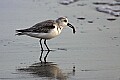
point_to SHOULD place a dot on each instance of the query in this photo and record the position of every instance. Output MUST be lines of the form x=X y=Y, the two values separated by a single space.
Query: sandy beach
x=93 y=53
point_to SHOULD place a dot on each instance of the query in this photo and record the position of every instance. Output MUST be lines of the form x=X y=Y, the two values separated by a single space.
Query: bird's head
x=63 y=21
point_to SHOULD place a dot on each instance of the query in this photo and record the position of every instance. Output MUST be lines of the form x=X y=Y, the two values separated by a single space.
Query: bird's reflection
x=47 y=70
x=41 y=54
x=47 y=52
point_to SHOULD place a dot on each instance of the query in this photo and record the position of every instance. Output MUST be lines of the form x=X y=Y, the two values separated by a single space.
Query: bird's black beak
x=71 y=27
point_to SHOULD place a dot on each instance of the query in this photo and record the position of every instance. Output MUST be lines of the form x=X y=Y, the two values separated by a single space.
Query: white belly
x=53 y=33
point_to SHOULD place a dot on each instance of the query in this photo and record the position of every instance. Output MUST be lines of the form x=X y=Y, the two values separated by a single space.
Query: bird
x=46 y=30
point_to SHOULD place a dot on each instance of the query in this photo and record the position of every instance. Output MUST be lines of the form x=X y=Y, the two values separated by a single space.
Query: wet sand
x=93 y=53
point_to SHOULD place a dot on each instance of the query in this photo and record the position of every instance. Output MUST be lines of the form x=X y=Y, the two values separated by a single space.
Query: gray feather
x=42 y=27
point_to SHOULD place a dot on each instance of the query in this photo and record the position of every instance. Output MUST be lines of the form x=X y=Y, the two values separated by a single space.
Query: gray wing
x=42 y=27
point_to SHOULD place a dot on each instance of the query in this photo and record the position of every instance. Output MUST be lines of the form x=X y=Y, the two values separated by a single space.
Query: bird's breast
x=56 y=31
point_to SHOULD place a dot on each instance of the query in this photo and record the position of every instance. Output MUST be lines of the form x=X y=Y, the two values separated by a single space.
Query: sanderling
x=46 y=30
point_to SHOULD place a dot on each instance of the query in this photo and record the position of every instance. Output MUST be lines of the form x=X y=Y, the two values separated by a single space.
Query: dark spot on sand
x=115 y=37
x=62 y=49
x=4 y=45
x=81 y=18
x=90 y=21
x=107 y=28
x=104 y=26
x=99 y=29
x=81 y=4
x=88 y=70
x=111 y=19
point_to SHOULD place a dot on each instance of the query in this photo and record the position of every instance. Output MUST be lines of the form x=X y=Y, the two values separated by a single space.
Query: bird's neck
x=60 y=27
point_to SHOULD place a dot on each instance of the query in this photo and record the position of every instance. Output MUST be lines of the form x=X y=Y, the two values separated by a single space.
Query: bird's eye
x=65 y=20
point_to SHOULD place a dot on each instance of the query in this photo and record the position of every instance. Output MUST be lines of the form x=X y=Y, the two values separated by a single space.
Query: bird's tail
x=19 y=32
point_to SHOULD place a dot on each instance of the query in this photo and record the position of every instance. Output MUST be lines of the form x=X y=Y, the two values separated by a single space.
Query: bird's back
x=42 y=27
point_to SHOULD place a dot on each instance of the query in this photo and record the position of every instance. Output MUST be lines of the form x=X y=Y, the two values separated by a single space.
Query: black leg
x=46 y=56
x=41 y=44
x=41 y=56
x=46 y=45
